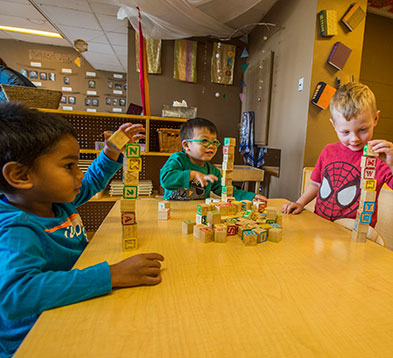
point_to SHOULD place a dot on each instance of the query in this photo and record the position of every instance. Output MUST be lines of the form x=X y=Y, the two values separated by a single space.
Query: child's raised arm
x=309 y=194
x=384 y=150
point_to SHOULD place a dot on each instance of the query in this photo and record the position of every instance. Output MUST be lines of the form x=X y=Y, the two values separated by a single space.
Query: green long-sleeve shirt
x=175 y=179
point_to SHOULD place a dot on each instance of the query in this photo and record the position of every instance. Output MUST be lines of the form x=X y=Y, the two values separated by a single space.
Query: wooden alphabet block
x=369 y=206
x=369 y=162
x=271 y=213
x=164 y=205
x=202 y=209
x=227 y=166
x=131 y=178
x=227 y=174
x=130 y=192
x=164 y=214
x=370 y=184
x=229 y=158
x=129 y=231
x=133 y=151
x=274 y=235
x=360 y=227
x=231 y=230
x=368 y=173
x=128 y=218
x=201 y=219
x=130 y=244
x=228 y=150
x=197 y=229
x=259 y=206
x=359 y=236
x=368 y=151
x=127 y=205
x=250 y=238
x=366 y=217
x=206 y=234
x=118 y=139
x=188 y=226
x=229 y=142
x=366 y=195
x=213 y=217
x=227 y=190
x=134 y=164
x=226 y=181
x=262 y=235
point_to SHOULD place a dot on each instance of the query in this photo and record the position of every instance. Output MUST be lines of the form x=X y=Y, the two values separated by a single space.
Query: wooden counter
x=315 y=294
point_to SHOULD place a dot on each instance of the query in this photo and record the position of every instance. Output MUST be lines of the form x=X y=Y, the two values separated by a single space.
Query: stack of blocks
x=368 y=195
x=228 y=151
x=251 y=221
x=131 y=168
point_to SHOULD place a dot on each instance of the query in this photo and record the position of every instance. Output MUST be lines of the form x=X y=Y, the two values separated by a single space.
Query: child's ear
x=376 y=118
x=185 y=145
x=16 y=175
x=332 y=122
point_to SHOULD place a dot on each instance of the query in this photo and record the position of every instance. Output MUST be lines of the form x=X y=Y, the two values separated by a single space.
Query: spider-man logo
x=339 y=191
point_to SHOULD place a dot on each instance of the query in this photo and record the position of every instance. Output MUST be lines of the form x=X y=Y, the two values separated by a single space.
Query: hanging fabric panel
x=153 y=54
x=223 y=63
x=185 y=60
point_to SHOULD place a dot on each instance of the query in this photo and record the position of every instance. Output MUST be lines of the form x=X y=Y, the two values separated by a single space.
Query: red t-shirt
x=338 y=171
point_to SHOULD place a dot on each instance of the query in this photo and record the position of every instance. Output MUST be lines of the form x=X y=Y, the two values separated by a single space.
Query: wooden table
x=315 y=294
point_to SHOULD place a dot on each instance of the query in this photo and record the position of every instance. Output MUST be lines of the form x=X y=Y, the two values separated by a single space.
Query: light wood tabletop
x=314 y=294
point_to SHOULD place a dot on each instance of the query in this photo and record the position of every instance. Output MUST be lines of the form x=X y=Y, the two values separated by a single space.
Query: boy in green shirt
x=189 y=175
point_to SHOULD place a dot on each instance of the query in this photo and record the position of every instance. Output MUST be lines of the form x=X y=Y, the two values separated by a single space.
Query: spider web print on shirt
x=339 y=192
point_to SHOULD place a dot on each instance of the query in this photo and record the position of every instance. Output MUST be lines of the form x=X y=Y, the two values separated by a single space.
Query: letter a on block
x=133 y=151
x=130 y=192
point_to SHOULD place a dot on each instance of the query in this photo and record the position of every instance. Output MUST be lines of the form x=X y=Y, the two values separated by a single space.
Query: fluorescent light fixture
x=31 y=32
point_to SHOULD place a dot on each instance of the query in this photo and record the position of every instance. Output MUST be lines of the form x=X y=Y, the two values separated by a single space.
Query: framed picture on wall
x=108 y=101
x=110 y=84
x=33 y=75
x=71 y=100
x=23 y=72
x=122 y=102
x=92 y=84
x=87 y=101
x=63 y=99
x=43 y=76
x=117 y=85
x=94 y=102
x=115 y=102
x=52 y=76
x=66 y=80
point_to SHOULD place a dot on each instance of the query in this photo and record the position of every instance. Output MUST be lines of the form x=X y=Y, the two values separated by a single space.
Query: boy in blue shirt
x=189 y=175
x=41 y=233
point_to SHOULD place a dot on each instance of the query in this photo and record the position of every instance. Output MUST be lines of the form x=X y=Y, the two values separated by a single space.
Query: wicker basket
x=169 y=140
x=33 y=97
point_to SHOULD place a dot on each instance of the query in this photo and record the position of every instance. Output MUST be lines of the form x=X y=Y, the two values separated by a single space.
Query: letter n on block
x=134 y=164
x=130 y=192
x=133 y=151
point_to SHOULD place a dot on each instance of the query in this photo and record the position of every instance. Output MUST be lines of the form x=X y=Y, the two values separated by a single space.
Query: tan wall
x=164 y=89
x=293 y=47
x=19 y=55
x=319 y=129
x=377 y=70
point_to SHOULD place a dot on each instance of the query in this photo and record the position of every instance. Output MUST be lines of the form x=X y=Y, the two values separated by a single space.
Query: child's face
x=356 y=132
x=197 y=153
x=55 y=176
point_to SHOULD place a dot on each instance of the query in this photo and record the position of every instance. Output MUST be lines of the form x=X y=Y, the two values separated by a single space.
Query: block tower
x=368 y=195
x=228 y=151
x=132 y=165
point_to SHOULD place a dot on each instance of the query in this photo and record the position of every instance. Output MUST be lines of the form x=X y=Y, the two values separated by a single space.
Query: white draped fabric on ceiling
x=174 y=19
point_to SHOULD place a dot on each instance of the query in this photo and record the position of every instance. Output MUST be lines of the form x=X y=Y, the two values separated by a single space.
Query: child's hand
x=260 y=198
x=142 y=269
x=384 y=150
x=294 y=208
x=201 y=178
x=133 y=133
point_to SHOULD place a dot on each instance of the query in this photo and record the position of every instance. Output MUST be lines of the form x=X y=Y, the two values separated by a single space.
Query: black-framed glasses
x=206 y=142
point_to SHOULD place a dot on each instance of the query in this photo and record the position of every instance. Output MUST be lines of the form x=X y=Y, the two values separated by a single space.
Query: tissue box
x=179 y=112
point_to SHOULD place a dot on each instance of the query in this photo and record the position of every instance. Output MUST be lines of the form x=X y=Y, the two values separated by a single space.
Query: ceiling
x=95 y=21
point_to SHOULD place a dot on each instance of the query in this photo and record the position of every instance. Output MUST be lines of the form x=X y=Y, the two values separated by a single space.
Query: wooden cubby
x=90 y=128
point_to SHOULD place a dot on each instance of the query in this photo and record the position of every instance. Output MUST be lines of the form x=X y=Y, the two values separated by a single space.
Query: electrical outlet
x=300 y=84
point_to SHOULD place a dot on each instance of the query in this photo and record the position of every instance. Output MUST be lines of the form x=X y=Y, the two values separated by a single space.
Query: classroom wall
x=319 y=129
x=377 y=70
x=293 y=47
x=164 y=89
x=19 y=55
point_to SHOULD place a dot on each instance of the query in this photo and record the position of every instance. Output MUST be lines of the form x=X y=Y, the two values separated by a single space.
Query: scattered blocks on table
x=202 y=209
x=118 y=139
x=231 y=229
x=201 y=219
x=250 y=238
x=188 y=226
x=220 y=234
x=227 y=190
x=164 y=214
x=213 y=218
x=205 y=234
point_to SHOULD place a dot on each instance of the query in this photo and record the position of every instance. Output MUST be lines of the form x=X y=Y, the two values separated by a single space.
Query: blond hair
x=351 y=99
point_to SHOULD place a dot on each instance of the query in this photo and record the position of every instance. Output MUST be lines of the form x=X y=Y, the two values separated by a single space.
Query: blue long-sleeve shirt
x=37 y=255
x=175 y=179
